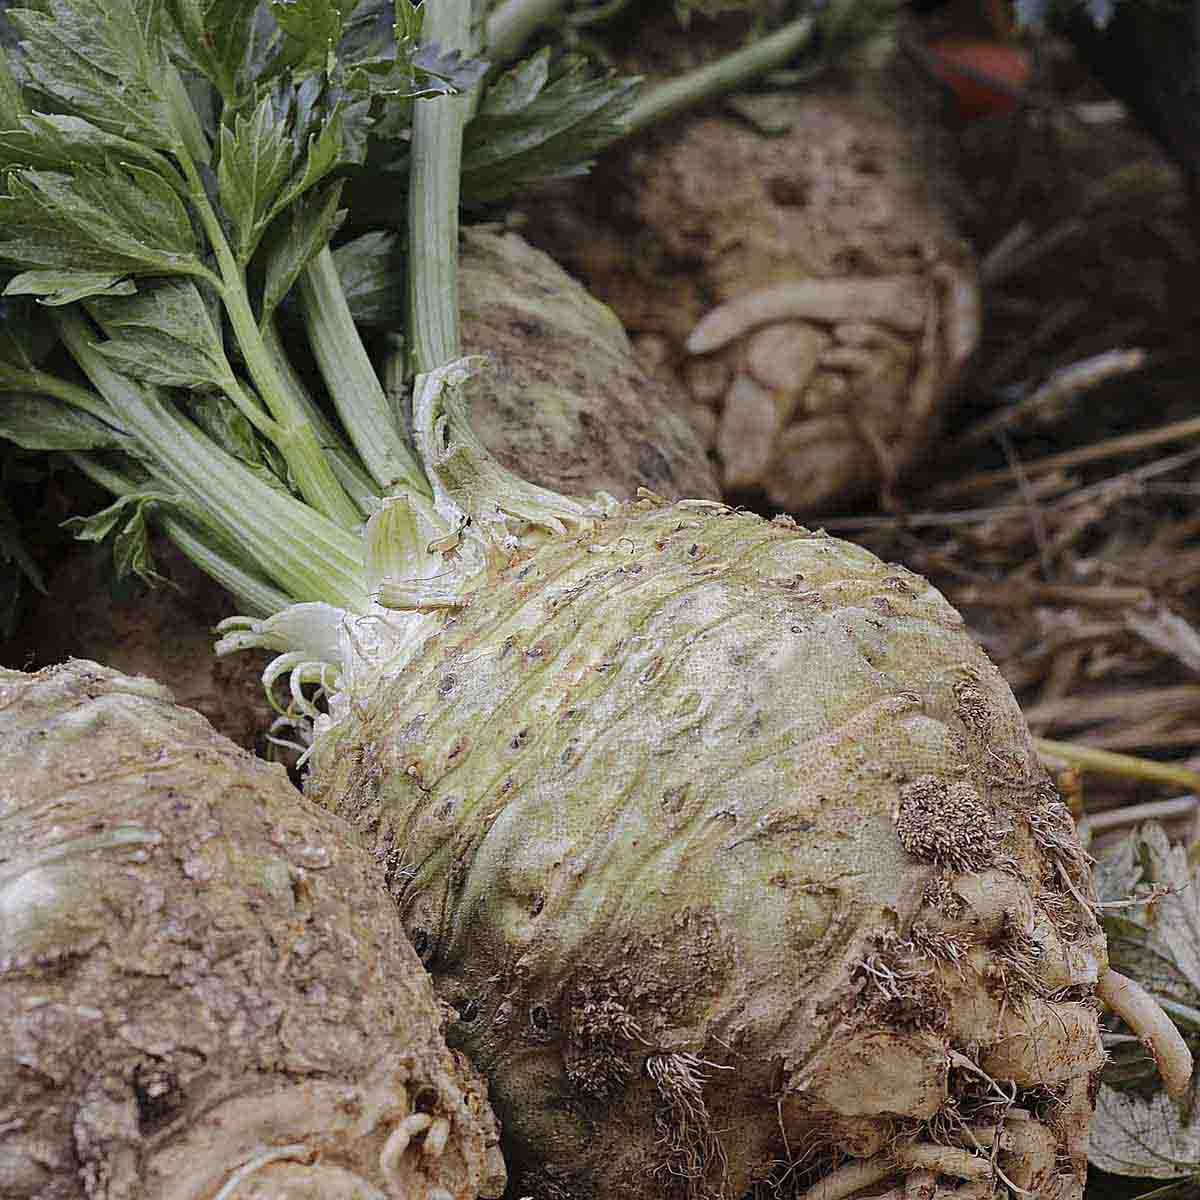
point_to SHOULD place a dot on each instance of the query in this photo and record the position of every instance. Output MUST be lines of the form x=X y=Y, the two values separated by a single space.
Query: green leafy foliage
x=219 y=39
x=295 y=239
x=544 y=119
x=119 y=219
x=26 y=335
x=1138 y=1130
x=125 y=522
x=104 y=60
x=256 y=160
x=164 y=334
x=170 y=169
x=39 y=423
x=371 y=269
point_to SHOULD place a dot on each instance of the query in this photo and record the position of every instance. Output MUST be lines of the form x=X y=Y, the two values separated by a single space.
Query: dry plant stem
x=1098 y=451
x=1139 y=1010
x=1135 y=814
x=1062 y=387
x=1126 y=765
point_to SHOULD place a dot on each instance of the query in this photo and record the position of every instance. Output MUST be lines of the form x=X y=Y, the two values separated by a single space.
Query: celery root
x=699 y=820
x=203 y=989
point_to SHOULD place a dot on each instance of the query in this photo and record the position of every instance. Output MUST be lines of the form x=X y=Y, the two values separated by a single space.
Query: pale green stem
x=353 y=385
x=733 y=71
x=1107 y=762
x=433 y=195
x=305 y=553
x=511 y=25
x=296 y=439
x=360 y=487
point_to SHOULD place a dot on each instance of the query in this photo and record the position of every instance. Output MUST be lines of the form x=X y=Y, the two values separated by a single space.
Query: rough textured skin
x=827 y=184
x=197 y=969
x=566 y=404
x=730 y=846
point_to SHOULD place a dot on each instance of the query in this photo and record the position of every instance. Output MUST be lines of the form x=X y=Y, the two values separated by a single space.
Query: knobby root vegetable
x=568 y=405
x=204 y=991
x=698 y=820
x=796 y=266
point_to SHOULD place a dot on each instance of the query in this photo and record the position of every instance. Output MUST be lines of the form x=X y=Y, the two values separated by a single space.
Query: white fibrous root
x=1142 y=1013
x=397 y=1144
x=436 y=1138
x=944 y=1160
x=851 y=1178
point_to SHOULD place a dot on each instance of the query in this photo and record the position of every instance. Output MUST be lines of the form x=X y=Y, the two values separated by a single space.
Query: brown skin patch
x=197 y=966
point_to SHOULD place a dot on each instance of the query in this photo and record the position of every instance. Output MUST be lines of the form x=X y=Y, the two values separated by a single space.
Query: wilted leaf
x=1133 y=1135
x=125 y=521
x=1157 y=943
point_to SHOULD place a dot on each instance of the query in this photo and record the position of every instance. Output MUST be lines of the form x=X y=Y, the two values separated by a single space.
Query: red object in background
x=985 y=78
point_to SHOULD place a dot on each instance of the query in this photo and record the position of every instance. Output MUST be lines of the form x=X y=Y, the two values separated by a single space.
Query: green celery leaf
x=12 y=103
x=56 y=287
x=221 y=419
x=313 y=29
x=104 y=60
x=256 y=160
x=407 y=19
x=217 y=34
x=132 y=556
x=557 y=132
x=39 y=423
x=125 y=521
x=26 y=335
x=368 y=33
x=297 y=236
x=164 y=334
x=518 y=87
x=59 y=141
x=122 y=219
x=438 y=71
x=371 y=270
